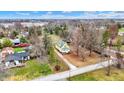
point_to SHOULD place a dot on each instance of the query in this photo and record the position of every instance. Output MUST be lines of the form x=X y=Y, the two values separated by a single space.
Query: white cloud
x=66 y=11
x=84 y=15
x=49 y=13
x=23 y=13
x=35 y=11
x=102 y=15
x=46 y=16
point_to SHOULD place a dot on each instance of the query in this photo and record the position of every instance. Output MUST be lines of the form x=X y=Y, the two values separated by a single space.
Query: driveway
x=71 y=66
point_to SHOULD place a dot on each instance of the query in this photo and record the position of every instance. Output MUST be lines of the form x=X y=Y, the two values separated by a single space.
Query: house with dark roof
x=16 y=58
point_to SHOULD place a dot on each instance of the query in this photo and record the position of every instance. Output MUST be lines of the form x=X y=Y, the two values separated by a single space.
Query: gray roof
x=16 y=56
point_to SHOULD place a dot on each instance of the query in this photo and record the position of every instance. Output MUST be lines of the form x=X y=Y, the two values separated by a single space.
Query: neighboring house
x=24 y=34
x=6 y=51
x=16 y=58
x=62 y=47
x=121 y=31
x=16 y=41
x=22 y=45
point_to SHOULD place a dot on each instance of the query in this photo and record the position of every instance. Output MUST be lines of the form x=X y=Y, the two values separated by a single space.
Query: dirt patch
x=75 y=60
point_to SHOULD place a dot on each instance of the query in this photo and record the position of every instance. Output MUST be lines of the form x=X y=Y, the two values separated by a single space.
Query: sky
x=61 y=14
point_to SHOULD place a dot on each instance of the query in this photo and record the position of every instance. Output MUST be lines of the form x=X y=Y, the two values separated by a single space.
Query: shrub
x=23 y=40
x=7 y=43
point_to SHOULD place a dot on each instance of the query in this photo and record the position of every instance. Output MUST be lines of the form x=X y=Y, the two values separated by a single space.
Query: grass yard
x=63 y=66
x=100 y=75
x=121 y=29
x=32 y=70
x=18 y=49
x=122 y=48
x=54 y=38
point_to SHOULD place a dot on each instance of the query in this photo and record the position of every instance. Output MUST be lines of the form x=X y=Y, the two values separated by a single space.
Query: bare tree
x=92 y=37
x=76 y=41
x=38 y=49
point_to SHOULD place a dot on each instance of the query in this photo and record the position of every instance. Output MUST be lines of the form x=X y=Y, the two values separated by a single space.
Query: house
x=62 y=47
x=22 y=45
x=121 y=31
x=16 y=58
x=6 y=51
x=16 y=41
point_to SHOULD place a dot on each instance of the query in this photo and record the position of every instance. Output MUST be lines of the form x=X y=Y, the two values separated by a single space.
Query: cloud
x=84 y=15
x=35 y=12
x=66 y=11
x=49 y=13
x=102 y=15
x=46 y=16
x=23 y=13
x=71 y=15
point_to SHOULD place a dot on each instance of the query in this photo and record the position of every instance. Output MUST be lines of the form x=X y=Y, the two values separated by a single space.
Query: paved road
x=70 y=73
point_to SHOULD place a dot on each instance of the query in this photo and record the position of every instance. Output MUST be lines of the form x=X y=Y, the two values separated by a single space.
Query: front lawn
x=33 y=69
x=115 y=48
x=100 y=75
x=54 y=38
x=121 y=29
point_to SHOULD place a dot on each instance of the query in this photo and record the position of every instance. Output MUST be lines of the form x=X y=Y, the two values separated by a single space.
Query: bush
x=57 y=67
x=7 y=43
x=23 y=40
x=1 y=46
x=52 y=56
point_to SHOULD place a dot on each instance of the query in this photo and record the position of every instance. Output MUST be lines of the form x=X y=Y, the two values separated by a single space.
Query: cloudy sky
x=60 y=14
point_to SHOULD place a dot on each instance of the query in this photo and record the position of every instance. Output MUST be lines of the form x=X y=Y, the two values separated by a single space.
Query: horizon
x=61 y=15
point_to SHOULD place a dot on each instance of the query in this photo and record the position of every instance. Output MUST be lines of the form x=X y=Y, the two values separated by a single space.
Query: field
x=100 y=75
